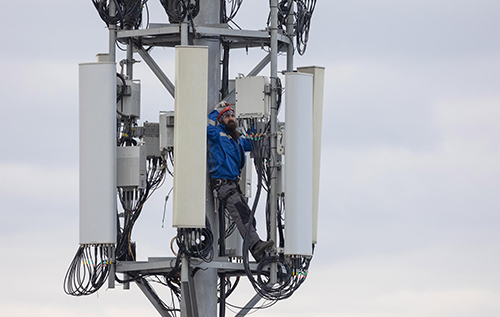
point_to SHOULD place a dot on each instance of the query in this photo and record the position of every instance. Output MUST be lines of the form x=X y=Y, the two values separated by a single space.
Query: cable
x=165 y=207
x=302 y=20
x=196 y=243
x=228 y=16
x=283 y=12
x=133 y=200
x=292 y=270
x=177 y=10
x=303 y=15
x=170 y=156
x=88 y=271
x=127 y=15
x=120 y=89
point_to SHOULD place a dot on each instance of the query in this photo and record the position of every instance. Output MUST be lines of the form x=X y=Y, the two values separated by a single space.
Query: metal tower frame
x=200 y=294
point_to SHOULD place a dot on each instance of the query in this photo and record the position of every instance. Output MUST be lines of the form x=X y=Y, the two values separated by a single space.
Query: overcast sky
x=410 y=180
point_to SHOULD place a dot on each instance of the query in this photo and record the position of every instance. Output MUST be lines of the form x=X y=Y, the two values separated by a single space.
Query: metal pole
x=112 y=58
x=225 y=72
x=130 y=59
x=189 y=307
x=128 y=206
x=112 y=33
x=184 y=31
x=206 y=281
x=222 y=253
x=273 y=205
x=289 y=31
x=111 y=255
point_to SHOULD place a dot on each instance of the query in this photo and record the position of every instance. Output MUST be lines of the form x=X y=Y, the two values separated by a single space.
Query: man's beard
x=231 y=128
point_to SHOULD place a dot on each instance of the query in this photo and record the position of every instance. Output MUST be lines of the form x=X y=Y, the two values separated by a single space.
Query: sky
x=410 y=175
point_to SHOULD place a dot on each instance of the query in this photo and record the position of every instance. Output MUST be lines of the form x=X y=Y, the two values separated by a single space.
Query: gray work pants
x=233 y=200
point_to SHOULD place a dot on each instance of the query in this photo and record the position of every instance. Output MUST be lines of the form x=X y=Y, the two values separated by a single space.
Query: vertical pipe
x=289 y=31
x=206 y=281
x=112 y=58
x=112 y=33
x=126 y=219
x=289 y=68
x=225 y=71
x=186 y=305
x=130 y=59
x=184 y=30
x=130 y=75
x=222 y=295
x=111 y=257
x=222 y=253
x=273 y=205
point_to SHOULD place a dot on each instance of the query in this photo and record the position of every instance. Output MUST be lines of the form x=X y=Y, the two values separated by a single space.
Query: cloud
x=411 y=283
x=44 y=184
x=385 y=199
x=472 y=125
x=420 y=30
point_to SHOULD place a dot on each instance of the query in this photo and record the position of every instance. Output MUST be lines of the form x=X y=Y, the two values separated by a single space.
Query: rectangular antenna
x=97 y=103
x=298 y=163
x=318 y=88
x=190 y=136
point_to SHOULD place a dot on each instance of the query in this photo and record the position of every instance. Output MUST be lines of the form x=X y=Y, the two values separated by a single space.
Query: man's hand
x=220 y=106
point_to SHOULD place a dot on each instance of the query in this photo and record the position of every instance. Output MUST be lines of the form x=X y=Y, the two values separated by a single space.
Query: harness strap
x=230 y=193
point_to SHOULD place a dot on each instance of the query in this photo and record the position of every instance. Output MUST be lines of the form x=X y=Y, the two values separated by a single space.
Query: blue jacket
x=226 y=157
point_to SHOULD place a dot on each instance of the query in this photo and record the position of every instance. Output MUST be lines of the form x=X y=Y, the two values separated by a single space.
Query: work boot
x=259 y=248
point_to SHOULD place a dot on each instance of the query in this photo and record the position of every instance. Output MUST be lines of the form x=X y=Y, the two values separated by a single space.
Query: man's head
x=227 y=118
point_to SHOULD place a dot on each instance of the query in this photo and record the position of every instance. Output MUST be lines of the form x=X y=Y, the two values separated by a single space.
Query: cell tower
x=122 y=163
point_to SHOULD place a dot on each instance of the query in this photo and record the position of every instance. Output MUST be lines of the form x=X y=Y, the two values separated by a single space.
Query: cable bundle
x=291 y=271
x=196 y=243
x=283 y=12
x=178 y=9
x=127 y=15
x=88 y=270
x=303 y=15
x=171 y=309
x=235 y=7
x=132 y=202
x=169 y=157
x=225 y=288
x=302 y=20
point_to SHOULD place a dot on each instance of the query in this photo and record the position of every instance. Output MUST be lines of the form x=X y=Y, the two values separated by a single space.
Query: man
x=226 y=158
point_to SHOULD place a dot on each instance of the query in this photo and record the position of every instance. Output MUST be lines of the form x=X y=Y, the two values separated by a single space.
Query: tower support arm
x=153 y=297
x=157 y=71
x=248 y=307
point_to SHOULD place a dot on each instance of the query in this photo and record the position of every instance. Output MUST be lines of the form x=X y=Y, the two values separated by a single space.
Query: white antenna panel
x=190 y=136
x=318 y=88
x=97 y=103
x=298 y=163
